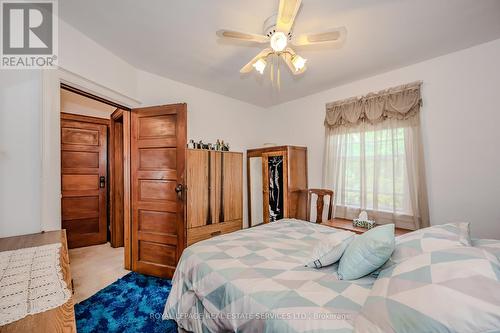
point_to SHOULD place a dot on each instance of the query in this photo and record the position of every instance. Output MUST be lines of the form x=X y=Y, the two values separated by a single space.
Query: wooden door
x=83 y=180
x=158 y=140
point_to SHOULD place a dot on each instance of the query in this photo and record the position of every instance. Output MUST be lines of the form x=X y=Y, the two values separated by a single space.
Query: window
x=373 y=169
x=374 y=157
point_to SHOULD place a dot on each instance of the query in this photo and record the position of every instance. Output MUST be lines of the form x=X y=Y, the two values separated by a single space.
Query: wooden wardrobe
x=277 y=178
x=214 y=193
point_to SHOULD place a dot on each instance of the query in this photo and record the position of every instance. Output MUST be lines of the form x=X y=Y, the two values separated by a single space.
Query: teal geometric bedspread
x=255 y=280
x=490 y=245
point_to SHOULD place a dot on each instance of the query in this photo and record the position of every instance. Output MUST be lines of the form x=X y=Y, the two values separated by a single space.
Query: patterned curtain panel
x=374 y=157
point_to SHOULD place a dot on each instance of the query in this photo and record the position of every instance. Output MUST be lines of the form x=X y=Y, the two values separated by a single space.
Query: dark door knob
x=178 y=189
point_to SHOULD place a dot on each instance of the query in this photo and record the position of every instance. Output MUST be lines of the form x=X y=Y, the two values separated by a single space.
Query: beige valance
x=401 y=103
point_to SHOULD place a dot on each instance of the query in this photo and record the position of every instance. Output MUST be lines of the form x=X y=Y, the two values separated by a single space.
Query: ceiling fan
x=278 y=33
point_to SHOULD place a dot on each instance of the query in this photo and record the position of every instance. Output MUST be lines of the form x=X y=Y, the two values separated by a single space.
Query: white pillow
x=330 y=249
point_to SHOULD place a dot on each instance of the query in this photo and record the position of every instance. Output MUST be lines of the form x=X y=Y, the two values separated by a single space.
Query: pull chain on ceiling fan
x=279 y=36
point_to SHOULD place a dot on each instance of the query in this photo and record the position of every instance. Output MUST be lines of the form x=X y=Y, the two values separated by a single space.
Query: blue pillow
x=367 y=252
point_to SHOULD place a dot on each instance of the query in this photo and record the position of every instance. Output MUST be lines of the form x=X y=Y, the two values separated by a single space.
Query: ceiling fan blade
x=287 y=57
x=286 y=15
x=334 y=35
x=248 y=67
x=243 y=36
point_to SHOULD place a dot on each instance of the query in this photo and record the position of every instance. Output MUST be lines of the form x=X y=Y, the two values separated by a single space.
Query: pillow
x=438 y=237
x=367 y=252
x=451 y=290
x=330 y=249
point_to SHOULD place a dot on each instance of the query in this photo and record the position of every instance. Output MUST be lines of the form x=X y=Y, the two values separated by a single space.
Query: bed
x=255 y=280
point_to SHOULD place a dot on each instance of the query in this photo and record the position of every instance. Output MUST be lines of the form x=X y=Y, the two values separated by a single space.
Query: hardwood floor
x=95 y=267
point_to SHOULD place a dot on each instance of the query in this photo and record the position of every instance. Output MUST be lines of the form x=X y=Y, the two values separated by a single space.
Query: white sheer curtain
x=376 y=166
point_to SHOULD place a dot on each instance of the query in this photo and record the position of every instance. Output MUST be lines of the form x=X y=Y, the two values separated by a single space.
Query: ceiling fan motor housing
x=269 y=26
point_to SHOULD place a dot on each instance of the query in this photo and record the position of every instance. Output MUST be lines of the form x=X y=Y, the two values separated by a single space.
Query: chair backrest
x=320 y=203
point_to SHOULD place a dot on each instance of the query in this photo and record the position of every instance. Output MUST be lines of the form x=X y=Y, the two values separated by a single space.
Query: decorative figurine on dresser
x=218 y=146
x=276 y=179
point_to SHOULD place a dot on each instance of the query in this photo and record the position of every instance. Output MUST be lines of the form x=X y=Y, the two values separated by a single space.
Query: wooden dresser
x=214 y=193
x=60 y=319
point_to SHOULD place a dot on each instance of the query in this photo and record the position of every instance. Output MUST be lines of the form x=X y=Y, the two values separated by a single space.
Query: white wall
x=460 y=121
x=20 y=156
x=209 y=117
x=24 y=208
x=81 y=55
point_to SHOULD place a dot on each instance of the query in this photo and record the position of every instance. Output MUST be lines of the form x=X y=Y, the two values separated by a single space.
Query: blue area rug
x=134 y=303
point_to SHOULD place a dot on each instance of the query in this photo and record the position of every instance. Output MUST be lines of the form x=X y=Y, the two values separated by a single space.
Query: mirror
x=256 y=199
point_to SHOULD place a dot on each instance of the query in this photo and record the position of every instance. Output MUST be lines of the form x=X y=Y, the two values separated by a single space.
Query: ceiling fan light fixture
x=260 y=65
x=279 y=41
x=298 y=62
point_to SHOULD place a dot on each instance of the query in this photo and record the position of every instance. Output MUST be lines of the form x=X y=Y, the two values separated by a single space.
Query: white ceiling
x=176 y=38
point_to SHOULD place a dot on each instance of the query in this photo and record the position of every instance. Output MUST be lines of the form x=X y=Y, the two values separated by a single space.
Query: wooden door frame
x=259 y=152
x=84 y=93
x=50 y=138
x=85 y=119
x=121 y=112
x=124 y=116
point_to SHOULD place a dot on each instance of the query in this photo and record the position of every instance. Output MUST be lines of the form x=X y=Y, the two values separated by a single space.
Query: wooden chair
x=320 y=203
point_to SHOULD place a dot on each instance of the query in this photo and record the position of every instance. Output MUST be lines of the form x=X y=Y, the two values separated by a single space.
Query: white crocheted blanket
x=31 y=281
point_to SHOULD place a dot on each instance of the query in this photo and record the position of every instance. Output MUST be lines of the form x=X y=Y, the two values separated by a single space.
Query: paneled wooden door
x=83 y=180
x=158 y=136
